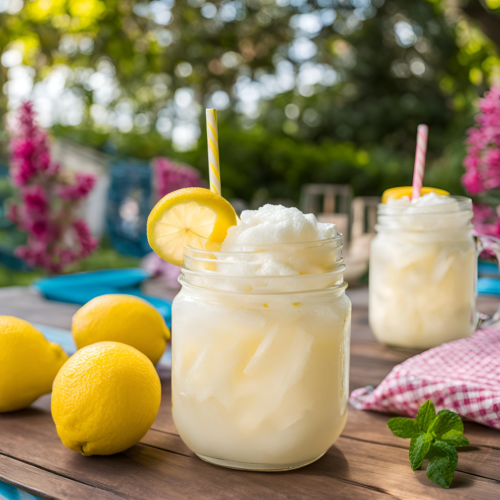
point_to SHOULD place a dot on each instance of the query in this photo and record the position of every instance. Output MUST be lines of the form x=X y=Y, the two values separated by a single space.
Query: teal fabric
x=8 y=492
x=484 y=267
x=488 y=286
x=82 y=287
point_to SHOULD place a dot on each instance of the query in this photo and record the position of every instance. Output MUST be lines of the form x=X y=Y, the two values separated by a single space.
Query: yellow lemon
x=121 y=318
x=28 y=364
x=399 y=192
x=105 y=398
x=190 y=216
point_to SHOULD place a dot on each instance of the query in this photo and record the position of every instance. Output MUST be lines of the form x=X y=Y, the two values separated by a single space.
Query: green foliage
x=434 y=437
x=446 y=421
x=404 y=427
x=389 y=65
x=426 y=415
x=419 y=447
x=443 y=460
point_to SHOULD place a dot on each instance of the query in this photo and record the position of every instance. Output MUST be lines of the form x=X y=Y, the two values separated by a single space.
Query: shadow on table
x=332 y=464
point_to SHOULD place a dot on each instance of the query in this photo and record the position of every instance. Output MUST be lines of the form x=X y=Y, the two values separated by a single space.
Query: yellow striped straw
x=213 y=151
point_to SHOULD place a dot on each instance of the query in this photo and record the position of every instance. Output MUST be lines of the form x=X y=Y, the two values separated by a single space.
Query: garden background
x=324 y=91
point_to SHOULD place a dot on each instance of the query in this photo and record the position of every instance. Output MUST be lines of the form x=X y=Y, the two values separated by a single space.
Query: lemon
x=121 y=318
x=190 y=216
x=28 y=363
x=105 y=398
x=399 y=192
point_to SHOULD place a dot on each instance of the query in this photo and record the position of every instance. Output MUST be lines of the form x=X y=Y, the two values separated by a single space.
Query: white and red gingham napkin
x=463 y=376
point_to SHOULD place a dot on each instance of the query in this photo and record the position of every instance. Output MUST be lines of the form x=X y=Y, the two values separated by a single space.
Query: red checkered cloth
x=463 y=376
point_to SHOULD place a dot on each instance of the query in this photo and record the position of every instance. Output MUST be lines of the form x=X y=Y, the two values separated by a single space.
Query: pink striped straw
x=418 y=171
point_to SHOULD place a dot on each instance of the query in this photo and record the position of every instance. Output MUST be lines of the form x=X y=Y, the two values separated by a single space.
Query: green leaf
x=404 y=427
x=419 y=447
x=445 y=422
x=443 y=459
x=426 y=415
x=454 y=438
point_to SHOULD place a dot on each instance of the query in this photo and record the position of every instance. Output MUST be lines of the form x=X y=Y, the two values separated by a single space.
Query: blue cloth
x=9 y=492
x=484 y=267
x=82 y=287
x=488 y=286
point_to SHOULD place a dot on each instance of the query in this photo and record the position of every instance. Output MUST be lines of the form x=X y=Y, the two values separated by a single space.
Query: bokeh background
x=324 y=91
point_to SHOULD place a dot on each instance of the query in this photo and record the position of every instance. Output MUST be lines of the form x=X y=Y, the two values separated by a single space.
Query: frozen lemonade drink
x=261 y=331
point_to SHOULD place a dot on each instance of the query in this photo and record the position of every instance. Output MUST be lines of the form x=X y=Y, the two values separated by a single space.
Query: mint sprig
x=434 y=437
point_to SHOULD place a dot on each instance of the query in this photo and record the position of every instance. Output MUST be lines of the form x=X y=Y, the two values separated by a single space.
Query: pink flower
x=84 y=183
x=85 y=240
x=30 y=150
x=482 y=213
x=13 y=215
x=40 y=229
x=493 y=158
x=48 y=206
x=472 y=181
x=170 y=177
x=35 y=199
x=161 y=269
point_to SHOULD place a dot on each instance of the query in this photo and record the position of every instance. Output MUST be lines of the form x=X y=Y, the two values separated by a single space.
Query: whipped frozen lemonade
x=423 y=271
x=260 y=352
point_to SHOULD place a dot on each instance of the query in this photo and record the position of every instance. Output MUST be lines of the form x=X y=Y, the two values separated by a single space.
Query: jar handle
x=491 y=245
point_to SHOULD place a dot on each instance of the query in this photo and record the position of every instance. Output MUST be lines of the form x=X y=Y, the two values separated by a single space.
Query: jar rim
x=464 y=205
x=336 y=240
x=332 y=289
x=219 y=276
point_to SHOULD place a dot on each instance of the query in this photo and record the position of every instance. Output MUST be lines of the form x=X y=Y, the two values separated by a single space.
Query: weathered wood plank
x=44 y=484
x=149 y=471
x=386 y=469
x=366 y=462
x=478 y=459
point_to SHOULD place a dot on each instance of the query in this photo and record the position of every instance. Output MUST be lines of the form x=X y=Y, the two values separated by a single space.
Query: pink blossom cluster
x=482 y=162
x=48 y=202
x=168 y=177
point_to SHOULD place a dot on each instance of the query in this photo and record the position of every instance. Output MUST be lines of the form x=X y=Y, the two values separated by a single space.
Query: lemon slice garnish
x=399 y=192
x=190 y=216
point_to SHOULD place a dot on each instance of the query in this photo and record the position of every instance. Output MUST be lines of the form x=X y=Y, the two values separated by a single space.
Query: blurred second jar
x=423 y=271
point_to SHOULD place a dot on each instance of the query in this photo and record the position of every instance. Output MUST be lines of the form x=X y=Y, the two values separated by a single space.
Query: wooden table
x=366 y=462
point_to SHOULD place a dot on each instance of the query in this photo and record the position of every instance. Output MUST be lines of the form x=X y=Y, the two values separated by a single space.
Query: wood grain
x=366 y=462
x=44 y=484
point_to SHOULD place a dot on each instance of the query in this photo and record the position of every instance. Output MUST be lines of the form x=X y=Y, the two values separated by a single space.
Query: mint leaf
x=443 y=459
x=404 y=427
x=419 y=447
x=426 y=415
x=434 y=437
x=454 y=438
x=446 y=421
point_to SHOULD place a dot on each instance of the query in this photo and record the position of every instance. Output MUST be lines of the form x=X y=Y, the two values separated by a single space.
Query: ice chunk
x=277 y=365
x=212 y=372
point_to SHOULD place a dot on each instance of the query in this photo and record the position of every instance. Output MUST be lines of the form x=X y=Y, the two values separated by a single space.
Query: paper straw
x=213 y=151
x=418 y=171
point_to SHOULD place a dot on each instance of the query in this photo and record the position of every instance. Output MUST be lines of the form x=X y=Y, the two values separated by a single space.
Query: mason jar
x=260 y=363
x=423 y=274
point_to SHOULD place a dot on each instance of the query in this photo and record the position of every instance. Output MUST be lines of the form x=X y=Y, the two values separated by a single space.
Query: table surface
x=366 y=462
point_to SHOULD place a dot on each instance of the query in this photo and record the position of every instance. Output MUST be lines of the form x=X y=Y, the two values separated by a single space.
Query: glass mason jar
x=423 y=274
x=260 y=363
